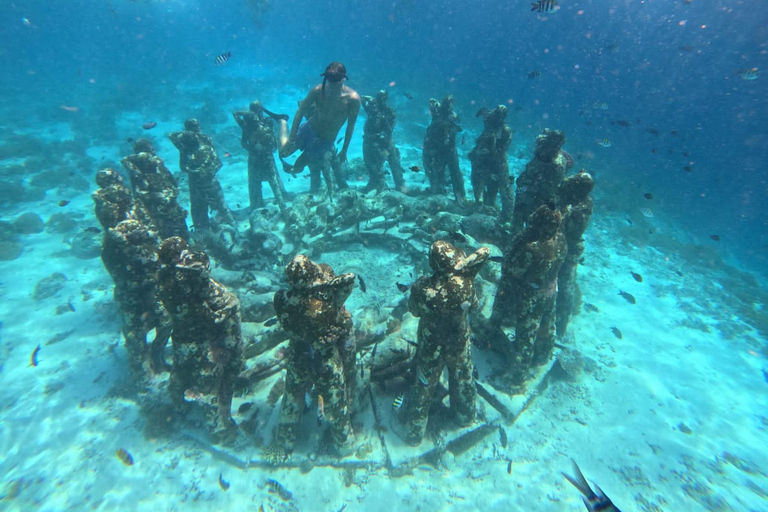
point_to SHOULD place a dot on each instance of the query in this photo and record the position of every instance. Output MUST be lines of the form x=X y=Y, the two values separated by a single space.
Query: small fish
x=320 y=409
x=673 y=133
x=92 y=229
x=26 y=22
x=653 y=131
x=482 y=112
x=125 y=457
x=129 y=140
x=149 y=125
x=509 y=468
x=275 y=487
x=591 y=308
x=397 y=403
x=223 y=483
x=69 y=108
x=496 y=259
x=33 y=359
x=403 y=287
x=227 y=154
x=63 y=202
x=606 y=143
x=716 y=238
x=534 y=74
x=422 y=378
x=648 y=196
x=70 y=305
x=544 y=5
x=363 y=288
x=414 y=168
x=272 y=321
x=616 y=332
x=600 y=105
x=646 y=212
x=748 y=74
x=595 y=502
x=628 y=297
x=502 y=437
x=222 y=59
x=687 y=168
x=621 y=122
x=339 y=140
x=637 y=277
x=408 y=95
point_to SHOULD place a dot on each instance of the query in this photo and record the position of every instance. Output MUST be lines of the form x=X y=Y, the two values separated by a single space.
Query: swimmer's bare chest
x=329 y=117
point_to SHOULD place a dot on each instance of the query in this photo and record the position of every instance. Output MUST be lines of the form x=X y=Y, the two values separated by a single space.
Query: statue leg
x=254 y=185
x=462 y=386
x=396 y=167
x=429 y=364
x=456 y=178
x=293 y=404
x=330 y=383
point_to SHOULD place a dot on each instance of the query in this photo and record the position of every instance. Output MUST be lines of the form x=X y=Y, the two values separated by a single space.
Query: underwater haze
x=663 y=102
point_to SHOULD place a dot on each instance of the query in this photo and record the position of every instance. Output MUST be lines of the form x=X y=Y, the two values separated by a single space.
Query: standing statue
x=198 y=158
x=440 y=150
x=442 y=301
x=378 y=146
x=490 y=168
x=260 y=142
x=321 y=353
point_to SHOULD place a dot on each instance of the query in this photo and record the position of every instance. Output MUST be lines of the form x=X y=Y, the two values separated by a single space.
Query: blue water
x=668 y=66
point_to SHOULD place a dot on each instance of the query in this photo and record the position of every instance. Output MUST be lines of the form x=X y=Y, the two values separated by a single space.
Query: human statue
x=378 y=145
x=440 y=152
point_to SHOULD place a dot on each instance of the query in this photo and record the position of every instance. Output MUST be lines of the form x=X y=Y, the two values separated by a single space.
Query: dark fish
x=70 y=305
x=403 y=287
x=272 y=321
x=648 y=195
x=223 y=483
x=340 y=139
x=275 y=487
x=125 y=457
x=687 y=168
x=653 y=131
x=408 y=95
x=414 y=168
x=509 y=468
x=582 y=260
x=543 y=5
x=685 y=153
x=716 y=238
x=482 y=112
x=654 y=151
x=616 y=332
x=628 y=297
x=673 y=133
x=534 y=74
x=591 y=308
x=363 y=288
x=222 y=59
x=422 y=378
x=149 y=125
x=687 y=48
x=502 y=437
x=621 y=122
x=63 y=202
x=33 y=359
x=129 y=140
x=595 y=502
x=496 y=259
x=637 y=277
x=92 y=229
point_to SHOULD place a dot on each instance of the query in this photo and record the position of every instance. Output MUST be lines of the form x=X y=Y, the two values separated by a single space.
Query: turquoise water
x=670 y=417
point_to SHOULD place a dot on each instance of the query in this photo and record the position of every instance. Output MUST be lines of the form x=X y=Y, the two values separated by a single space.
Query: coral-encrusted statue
x=490 y=168
x=440 y=149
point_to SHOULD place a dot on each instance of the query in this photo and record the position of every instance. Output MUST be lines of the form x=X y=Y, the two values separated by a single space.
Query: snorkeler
x=333 y=104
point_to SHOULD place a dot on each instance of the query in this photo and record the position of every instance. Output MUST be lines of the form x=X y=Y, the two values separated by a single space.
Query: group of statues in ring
x=163 y=282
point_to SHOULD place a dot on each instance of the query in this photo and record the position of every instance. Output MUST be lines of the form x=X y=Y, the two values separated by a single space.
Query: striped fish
x=748 y=74
x=222 y=59
x=544 y=5
x=595 y=501
x=606 y=143
x=397 y=403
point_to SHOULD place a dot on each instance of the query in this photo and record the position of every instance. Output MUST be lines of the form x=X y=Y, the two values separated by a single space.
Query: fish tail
x=578 y=481
x=534 y=6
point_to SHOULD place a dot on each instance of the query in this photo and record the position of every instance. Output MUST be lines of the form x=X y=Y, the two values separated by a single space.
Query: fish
x=653 y=131
x=363 y=288
x=502 y=437
x=338 y=141
x=606 y=143
x=342 y=508
x=408 y=95
x=92 y=229
x=414 y=168
x=272 y=321
x=149 y=125
x=69 y=108
x=748 y=74
x=616 y=332
x=716 y=238
x=496 y=259
x=223 y=483
x=687 y=48
x=591 y=308
x=482 y=112
x=125 y=457
x=70 y=306
x=646 y=212
x=687 y=168
x=63 y=202
x=544 y=5
x=422 y=378
x=637 y=277
x=320 y=409
x=227 y=154
x=673 y=133
x=648 y=196
x=397 y=403
x=275 y=487
x=403 y=287
x=595 y=502
x=509 y=468
x=222 y=59
x=628 y=297
x=33 y=358
x=534 y=74
x=600 y=105
x=621 y=122
x=129 y=140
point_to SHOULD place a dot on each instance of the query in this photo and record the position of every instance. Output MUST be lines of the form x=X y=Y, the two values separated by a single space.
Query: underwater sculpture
x=526 y=293
x=207 y=341
x=490 y=168
x=260 y=142
x=442 y=301
x=576 y=207
x=378 y=146
x=321 y=352
x=129 y=254
x=153 y=184
x=440 y=149
x=198 y=159
x=538 y=183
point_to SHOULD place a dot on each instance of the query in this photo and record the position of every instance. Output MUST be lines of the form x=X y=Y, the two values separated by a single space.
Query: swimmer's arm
x=354 y=110
x=312 y=96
